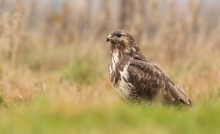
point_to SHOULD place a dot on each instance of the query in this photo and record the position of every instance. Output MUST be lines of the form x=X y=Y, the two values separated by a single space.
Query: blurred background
x=54 y=59
x=174 y=28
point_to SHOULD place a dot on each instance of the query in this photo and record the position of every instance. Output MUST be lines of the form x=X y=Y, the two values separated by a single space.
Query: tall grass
x=54 y=64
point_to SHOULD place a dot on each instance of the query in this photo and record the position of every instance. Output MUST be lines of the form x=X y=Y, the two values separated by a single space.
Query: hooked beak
x=109 y=38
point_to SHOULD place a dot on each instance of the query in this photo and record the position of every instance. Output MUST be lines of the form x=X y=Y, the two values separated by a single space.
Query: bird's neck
x=121 y=51
x=116 y=55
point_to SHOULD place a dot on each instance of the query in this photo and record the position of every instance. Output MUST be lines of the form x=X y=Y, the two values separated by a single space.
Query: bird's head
x=122 y=41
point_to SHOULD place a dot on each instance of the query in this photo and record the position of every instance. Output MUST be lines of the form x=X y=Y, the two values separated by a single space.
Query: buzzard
x=137 y=79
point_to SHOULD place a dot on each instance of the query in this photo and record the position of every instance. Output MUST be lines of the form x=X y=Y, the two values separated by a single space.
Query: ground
x=74 y=95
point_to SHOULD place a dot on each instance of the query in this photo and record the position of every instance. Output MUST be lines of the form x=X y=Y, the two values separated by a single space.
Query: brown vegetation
x=63 y=54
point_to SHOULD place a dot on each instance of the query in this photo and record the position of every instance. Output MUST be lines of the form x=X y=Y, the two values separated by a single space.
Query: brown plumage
x=135 y=78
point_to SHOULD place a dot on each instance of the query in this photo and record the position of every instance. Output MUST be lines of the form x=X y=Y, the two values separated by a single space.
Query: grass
x=54 y=72
x=3 y=102
x=46 y=101
x=41 y=117
x=82 y=72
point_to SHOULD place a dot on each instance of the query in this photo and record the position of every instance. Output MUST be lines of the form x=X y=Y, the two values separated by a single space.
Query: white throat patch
x=114 y=61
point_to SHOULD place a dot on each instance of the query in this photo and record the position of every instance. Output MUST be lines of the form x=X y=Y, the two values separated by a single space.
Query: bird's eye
x=118 y=35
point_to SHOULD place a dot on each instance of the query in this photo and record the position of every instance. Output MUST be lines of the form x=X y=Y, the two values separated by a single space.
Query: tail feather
x=190 y=103
x=184 y=96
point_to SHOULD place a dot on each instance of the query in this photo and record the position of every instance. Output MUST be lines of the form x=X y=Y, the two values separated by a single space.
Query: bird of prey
x=137 y=79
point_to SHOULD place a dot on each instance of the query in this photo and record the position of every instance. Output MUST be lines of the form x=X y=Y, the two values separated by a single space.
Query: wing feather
x=149 y=79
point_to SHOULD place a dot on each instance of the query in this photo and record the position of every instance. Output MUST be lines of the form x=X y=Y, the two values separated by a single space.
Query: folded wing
x=150 y=81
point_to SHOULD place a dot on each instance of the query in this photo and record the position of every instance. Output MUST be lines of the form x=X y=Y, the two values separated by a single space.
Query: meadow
x=54 y=66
